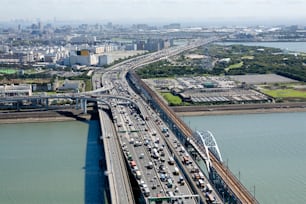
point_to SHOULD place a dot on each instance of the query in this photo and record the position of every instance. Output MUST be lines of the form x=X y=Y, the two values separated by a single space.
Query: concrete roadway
x=150 y=176
x=120 y=188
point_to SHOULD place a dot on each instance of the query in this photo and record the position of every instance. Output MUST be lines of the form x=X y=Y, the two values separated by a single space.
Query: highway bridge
x=223 y=179
x=227 y=189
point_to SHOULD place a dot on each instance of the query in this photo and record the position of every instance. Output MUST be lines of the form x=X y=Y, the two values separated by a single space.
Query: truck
x=201 y=183
x=185 y=160
x=133 y=163
x=208 y=188
x=196 y=176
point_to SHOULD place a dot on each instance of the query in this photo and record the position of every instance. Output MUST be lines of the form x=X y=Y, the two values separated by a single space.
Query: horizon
x=160 y=22
x=196 y=12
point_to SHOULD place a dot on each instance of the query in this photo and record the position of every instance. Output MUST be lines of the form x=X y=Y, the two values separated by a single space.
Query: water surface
x=266 y=150
x=287 y=46
x=50 y=163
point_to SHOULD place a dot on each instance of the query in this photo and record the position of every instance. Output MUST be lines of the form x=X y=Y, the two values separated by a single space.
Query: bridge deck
x=231 y=181
x=120 y=188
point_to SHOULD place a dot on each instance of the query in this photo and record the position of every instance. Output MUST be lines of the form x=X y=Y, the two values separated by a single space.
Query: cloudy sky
x=162 y=10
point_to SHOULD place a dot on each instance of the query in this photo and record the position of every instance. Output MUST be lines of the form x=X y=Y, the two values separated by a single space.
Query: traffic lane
x=116 y=167
x=151 y=174
x=147 y=174
x=182 y=189
x=170 y=169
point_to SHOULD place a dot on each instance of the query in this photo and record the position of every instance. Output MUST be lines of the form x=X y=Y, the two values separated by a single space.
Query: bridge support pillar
x=227 y=195
x=18 y=105
x=77 y=104
x=84 y=105
x=47 y=104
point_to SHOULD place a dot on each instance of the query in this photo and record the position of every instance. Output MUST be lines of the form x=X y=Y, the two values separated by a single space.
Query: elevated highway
x=117 y=173
x=220 y=174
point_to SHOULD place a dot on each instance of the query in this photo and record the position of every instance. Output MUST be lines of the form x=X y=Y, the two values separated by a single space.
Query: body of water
x=266 y=150
x=289 y=46
x=50 y=163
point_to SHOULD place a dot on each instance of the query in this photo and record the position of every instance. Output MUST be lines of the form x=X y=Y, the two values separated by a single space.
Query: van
x=170 y=193
x=162 y=159
x=169 y=183
x=146 y=192
x=141 y=156
x=181 y=180
x=150 y=165
x=163 y=177
x=176 y=171
x=138 y=175
x=171 y=161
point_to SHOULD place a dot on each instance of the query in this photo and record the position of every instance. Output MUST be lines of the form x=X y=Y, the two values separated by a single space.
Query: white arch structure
x=207 y=139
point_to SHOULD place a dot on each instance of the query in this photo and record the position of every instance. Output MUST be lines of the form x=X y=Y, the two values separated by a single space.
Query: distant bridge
x=80 y=100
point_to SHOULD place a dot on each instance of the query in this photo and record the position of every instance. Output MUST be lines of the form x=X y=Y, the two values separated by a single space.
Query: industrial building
x=16 y=90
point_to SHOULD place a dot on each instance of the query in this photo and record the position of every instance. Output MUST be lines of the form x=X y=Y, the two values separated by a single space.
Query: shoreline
x=239 y=109
x=77 y=115
x=44 y=116
x=240 y=112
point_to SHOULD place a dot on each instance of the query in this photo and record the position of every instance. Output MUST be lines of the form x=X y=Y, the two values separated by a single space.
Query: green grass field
x=7 y=71
x=248 y=57
x=285 y=93
x=171 y=99
x=234 y=66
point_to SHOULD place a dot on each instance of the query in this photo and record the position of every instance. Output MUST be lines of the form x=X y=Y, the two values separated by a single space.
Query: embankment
x=45 y=116
x=239 y=109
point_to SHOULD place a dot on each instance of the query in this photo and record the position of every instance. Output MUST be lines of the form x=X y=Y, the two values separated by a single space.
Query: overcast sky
x=162 y=10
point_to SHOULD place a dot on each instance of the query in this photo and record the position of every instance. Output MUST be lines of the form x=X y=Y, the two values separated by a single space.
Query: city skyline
x=133 y=11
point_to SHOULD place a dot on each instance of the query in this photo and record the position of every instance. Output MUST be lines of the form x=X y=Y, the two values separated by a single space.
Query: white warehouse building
x=16 y=90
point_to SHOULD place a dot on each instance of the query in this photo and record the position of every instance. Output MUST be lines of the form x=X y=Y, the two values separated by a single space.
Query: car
x=150 y=165
x=141 y=183
x=141 y=156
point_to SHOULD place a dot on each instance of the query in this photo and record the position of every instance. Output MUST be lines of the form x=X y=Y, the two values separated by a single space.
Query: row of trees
x=256 y=60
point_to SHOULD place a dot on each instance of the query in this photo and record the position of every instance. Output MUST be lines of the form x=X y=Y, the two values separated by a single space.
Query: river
x=286 y=46
x=50 y=163
x=267 y=151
